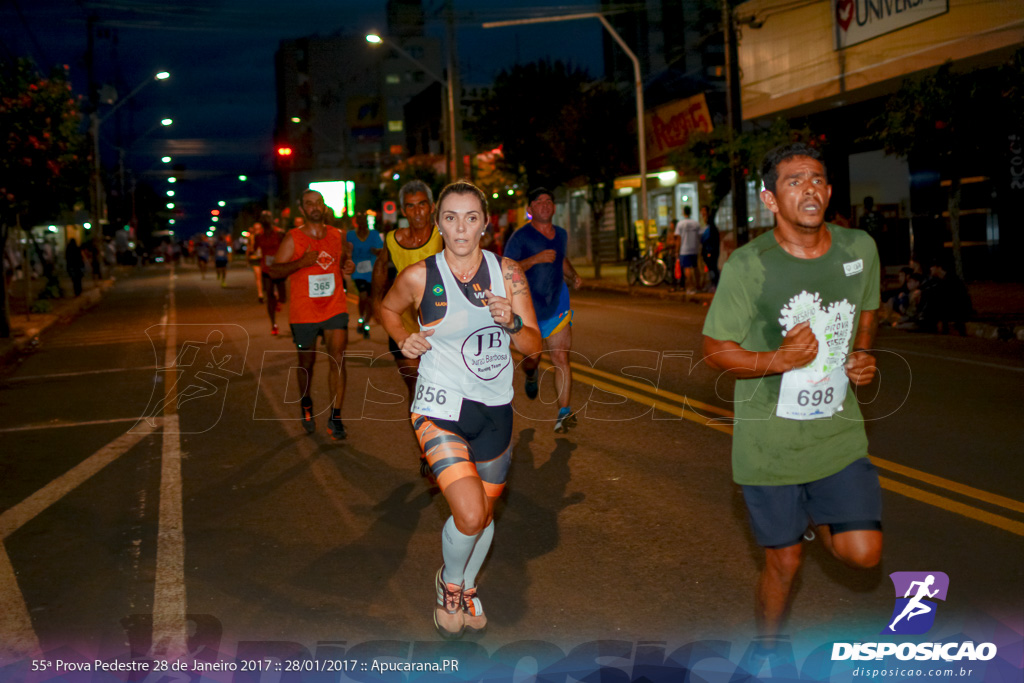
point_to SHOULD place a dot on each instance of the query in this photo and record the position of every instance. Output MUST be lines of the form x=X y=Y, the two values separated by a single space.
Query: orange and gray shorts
x=478 y=444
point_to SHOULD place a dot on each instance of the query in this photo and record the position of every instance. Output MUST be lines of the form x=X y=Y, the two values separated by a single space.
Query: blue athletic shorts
x=849 y=500
x=687 y=260
x=550 y=325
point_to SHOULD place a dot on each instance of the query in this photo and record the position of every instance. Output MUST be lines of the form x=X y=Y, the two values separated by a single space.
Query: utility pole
x=454 y=96
x=94 y=131
x=734 y=114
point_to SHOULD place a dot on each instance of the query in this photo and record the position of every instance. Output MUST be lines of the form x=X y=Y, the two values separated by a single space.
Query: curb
x=11 y=348
x=658 y=292
x=981 y=330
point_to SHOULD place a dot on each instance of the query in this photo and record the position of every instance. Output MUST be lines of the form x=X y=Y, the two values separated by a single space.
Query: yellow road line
x=678 y=405
x=648 y=387
x=664 y=406
x=962 y=489
x=953 y=506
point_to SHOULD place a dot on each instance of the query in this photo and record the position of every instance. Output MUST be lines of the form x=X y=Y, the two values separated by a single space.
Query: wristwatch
x=517 y=324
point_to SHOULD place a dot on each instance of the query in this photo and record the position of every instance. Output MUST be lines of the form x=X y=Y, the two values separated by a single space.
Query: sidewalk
x=998 y=306
x=26 y=326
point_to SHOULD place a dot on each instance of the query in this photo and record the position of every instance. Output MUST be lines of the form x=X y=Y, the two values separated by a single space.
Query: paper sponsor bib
x=803 y=397
x=268 y=260
x=434 y=401
x=221 y=253
x=818 y=389
x=364 y=266
x=321 y=285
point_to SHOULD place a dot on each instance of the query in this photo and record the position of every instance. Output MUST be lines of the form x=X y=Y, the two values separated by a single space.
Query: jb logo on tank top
x=484 y=353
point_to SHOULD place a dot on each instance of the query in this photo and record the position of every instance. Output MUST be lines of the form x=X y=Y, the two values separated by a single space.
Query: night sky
x=221 y=58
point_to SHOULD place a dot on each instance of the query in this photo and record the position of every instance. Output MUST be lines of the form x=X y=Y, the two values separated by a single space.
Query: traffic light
x=284 y=151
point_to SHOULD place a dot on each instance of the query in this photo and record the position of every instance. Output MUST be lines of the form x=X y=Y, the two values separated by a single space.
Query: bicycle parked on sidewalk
x=648 y=269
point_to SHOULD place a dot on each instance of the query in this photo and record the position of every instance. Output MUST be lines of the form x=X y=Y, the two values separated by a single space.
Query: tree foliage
x=43 y=162
x=556 y=127
x=426 y=167
x=707 y=155
x=555 y=124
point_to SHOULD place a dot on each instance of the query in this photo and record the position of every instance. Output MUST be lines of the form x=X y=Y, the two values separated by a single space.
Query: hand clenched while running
x=860 y=367
x=799 y=347
x=416 y=344
x=500 y=308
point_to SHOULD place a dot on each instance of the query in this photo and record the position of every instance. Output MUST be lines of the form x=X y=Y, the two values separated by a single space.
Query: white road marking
x=63 y=375
x=18 y=639
x=22 y=513
x=17 y=636
x=170 y=631
x=54 y=425
x=952 y=359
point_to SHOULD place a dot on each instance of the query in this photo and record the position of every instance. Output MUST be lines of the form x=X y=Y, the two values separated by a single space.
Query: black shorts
x=304 y=334
x=362 y=286
x=849 y=500
x=478 y=444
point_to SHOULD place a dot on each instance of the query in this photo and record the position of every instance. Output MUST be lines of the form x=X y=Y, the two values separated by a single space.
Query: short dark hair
x=460 y=187
x=687 y=211
x=774 y=157
x=412 y=187
x=309 y=190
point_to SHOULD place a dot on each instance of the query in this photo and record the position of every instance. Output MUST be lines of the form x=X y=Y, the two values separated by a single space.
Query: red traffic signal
x=215 y=212
x=284 y=151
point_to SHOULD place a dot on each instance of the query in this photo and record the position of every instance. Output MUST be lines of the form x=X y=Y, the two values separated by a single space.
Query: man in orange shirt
x=313 y=259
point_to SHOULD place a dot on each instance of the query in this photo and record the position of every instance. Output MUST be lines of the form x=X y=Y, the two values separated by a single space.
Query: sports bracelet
x=517 y=324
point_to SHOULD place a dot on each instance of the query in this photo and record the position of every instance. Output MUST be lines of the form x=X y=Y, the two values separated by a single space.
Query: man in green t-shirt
x=792 y=320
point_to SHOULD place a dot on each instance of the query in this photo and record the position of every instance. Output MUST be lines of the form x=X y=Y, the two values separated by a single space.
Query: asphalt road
x=629 y=529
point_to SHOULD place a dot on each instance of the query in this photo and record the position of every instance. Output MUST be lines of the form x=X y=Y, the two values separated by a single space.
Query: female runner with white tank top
x=471 y=305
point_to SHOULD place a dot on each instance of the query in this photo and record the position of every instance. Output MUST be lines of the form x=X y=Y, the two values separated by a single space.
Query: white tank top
x=469 y=352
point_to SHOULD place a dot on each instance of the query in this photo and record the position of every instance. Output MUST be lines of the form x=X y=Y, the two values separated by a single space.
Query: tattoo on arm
x=514 y=274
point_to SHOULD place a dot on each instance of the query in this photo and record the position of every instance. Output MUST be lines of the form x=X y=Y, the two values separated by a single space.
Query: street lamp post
x=446 y=83
x=94 y=128
x=637 y=83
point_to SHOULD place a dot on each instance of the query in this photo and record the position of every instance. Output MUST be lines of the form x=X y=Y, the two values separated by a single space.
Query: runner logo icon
x=916 y=593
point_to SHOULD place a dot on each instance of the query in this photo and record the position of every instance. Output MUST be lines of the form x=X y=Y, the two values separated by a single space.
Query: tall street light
x=446 y=83
x=637 y=83
x=94 y=129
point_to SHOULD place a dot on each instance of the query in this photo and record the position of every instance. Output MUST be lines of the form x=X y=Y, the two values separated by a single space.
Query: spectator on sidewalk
x=688 y=243
x=872 y=222
x=910 y=316
x=896 y=299
x=945 y=302
x=710 y=247
x=75 y=264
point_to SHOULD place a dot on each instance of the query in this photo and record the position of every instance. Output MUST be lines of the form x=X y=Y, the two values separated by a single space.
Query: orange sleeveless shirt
x=317 y=291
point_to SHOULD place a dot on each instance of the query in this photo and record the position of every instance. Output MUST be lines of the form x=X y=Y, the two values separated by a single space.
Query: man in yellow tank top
x=402 y=248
